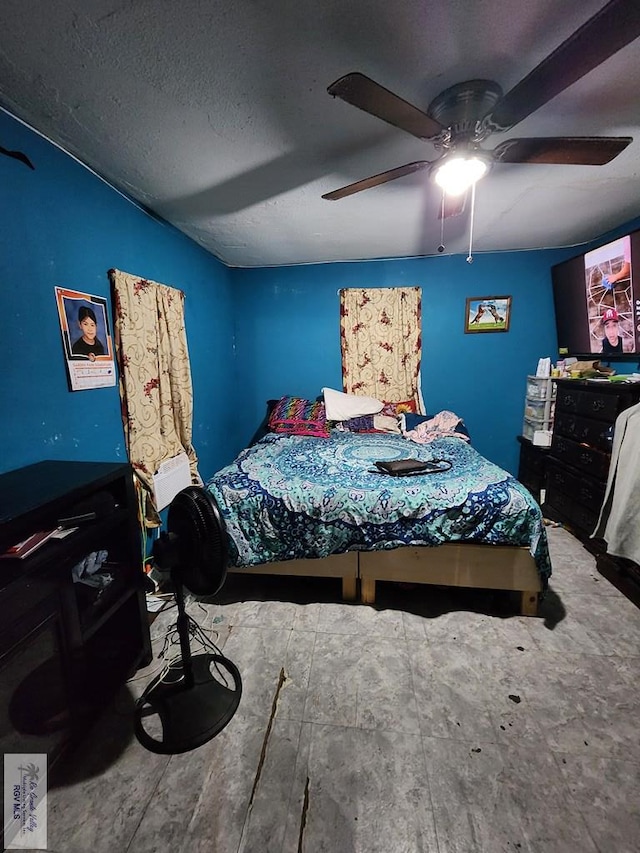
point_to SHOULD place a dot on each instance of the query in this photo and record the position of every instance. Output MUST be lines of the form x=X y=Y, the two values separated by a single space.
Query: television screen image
x=609 y=293
x=596 y=297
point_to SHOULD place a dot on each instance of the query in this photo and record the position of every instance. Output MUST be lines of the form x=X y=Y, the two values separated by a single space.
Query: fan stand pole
x=191 y=707
x=182 y=624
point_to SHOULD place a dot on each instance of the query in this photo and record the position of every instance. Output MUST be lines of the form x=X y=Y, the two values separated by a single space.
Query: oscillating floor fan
x=192 y=700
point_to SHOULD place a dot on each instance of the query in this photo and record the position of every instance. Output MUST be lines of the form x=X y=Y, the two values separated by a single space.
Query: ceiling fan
x=463 y=116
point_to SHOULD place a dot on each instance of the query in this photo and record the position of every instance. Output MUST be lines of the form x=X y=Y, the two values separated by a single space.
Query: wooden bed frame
x=463 y=564
x=343 y=566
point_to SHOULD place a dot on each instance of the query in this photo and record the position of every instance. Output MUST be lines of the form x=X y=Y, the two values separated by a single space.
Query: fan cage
x=200 y=533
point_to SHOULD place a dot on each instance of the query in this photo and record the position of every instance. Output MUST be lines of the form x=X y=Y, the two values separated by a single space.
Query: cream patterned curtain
x=381 y=343
x=155 y=378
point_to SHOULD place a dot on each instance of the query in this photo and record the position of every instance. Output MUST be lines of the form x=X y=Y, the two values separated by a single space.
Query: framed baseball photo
x=487 y=314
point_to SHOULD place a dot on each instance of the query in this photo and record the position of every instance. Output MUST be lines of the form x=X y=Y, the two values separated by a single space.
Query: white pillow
x=386 y=423
x=342 y=407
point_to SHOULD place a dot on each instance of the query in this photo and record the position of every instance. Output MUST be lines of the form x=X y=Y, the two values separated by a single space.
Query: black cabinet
x=66 y=646
x=532 y=467
x=578 y=463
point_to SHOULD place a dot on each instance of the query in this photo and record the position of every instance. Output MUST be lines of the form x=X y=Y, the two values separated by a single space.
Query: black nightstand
x=532 y=469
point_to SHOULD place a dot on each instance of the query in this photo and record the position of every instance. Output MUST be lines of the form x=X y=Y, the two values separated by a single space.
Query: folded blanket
x=441 y=425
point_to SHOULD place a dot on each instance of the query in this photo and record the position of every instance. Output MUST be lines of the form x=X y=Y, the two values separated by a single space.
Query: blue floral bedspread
x=290 y=497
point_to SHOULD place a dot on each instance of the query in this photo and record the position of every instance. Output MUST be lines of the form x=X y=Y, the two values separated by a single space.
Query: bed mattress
x=293 y=497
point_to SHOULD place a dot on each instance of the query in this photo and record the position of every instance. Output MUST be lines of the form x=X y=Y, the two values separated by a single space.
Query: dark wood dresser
x=578 y=463
x=65 y=646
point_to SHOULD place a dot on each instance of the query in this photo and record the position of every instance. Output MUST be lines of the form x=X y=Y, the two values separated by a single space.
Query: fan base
x=460 y=107
x=189 y=715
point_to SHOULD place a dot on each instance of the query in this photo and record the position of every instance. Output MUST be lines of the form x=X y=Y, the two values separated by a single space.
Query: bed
x=318 y=506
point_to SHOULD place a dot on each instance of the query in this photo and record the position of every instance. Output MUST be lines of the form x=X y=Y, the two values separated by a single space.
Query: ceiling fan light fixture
x=456 y=174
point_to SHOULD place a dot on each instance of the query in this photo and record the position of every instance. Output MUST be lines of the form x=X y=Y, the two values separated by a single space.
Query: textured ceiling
x=215 y=116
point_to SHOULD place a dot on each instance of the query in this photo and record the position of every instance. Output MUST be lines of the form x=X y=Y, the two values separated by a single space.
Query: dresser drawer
x=593 y=404
x=598 y=434
x=574 y=513
x=581 y=489
x=594 y=463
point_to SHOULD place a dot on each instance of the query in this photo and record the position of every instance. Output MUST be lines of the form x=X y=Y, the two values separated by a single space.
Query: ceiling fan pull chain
x=441 y=246
x=473 y=210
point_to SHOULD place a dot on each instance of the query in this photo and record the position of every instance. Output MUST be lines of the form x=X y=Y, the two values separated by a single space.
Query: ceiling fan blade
x=614 y=26
x=367 y=95
x=376 y=180
x=564 y=150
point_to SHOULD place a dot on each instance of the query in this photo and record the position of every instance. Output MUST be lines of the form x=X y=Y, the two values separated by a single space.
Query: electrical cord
x=166 y=643
x=164 y=639
x=170 y=640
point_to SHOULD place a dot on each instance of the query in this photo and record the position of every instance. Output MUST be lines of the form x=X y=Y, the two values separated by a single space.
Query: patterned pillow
x=362 y=424
x=297 y=416
x=399 y=408
x=372 y=423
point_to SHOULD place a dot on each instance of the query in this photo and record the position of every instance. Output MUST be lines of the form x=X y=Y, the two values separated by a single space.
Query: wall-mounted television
x=597 y=301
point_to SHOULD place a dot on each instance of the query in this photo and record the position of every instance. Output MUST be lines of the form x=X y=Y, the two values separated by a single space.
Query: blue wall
x=60 y=225
x=288 y=335
x=287 y=328
x=253 y=334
